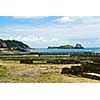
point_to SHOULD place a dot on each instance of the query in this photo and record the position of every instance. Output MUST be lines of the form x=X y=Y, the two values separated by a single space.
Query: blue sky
x=44 y=31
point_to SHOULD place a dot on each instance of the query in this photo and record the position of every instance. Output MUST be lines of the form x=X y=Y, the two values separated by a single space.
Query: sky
x=44 y=31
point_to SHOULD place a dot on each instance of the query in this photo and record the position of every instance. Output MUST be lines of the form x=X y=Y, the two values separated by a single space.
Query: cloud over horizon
x=44 y=31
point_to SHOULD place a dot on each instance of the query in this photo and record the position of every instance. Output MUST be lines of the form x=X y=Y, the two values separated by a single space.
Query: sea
x=93 y=50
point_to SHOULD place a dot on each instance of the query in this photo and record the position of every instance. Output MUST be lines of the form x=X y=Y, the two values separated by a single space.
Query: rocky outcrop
x=78 y=46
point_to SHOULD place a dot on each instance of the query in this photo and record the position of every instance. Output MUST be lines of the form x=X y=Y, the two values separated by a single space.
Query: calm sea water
x=94 y=50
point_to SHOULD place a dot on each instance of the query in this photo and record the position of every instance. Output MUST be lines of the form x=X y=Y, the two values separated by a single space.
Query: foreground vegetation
x=40 y=71
x=15 y=72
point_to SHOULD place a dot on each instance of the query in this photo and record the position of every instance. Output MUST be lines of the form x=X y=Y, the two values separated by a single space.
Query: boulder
x=65 y=71
x=78 y=46
x=73 y=70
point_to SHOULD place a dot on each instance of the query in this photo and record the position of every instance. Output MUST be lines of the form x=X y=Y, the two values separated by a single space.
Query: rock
x=65 y=71
x=78 y=46
x=73 y=70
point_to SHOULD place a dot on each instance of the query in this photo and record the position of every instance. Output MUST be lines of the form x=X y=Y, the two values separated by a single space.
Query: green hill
x=13 y=44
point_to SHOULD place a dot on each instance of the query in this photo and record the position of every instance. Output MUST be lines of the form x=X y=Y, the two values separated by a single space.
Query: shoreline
x=65 y=53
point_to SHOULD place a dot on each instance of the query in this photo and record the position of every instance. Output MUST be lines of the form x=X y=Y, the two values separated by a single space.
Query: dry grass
x=38 y=73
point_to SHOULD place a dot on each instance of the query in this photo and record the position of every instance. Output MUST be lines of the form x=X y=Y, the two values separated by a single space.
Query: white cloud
x=64 y=19
x=82 y=20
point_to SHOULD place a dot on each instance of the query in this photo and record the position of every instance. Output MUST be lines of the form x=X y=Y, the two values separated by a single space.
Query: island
x=77 y=46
